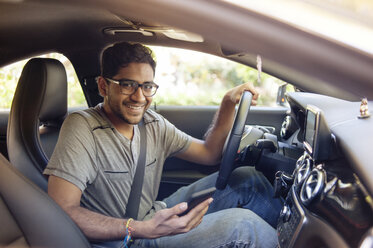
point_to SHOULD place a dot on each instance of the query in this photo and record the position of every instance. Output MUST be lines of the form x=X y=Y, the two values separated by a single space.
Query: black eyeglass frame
x=119 y=82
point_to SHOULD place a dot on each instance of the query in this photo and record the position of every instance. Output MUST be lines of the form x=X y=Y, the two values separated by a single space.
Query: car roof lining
x=291 y=57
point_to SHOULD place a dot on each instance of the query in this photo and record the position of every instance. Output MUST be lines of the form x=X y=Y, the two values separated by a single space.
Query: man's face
x=129 y=108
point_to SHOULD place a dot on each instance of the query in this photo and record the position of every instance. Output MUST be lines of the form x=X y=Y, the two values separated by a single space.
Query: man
x=92 y=168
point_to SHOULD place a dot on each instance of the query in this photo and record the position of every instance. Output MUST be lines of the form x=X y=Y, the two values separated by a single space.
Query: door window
x=193 y=78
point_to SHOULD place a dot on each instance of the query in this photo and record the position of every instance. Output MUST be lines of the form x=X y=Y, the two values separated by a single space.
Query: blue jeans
x=241 y=215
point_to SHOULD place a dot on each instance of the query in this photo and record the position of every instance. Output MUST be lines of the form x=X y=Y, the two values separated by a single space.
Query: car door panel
x=195 y=120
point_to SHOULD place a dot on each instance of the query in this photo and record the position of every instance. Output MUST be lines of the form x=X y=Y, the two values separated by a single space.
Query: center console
x=324 y=206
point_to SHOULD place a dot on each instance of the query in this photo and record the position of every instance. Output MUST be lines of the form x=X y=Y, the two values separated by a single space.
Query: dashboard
x=328 y=198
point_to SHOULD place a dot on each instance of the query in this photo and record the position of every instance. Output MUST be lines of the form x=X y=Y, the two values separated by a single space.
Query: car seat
x=38 y=109
x=30 y=218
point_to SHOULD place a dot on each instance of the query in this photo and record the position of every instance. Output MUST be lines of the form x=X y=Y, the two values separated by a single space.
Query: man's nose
x=138 y=95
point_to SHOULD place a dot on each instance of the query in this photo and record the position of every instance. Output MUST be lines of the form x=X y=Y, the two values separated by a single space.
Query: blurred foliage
x=9 y=76
x=8 y=82
x=192 y=78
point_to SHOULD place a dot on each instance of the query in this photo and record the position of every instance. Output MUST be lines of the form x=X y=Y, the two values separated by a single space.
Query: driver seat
x=38 y=109
x=30 y=218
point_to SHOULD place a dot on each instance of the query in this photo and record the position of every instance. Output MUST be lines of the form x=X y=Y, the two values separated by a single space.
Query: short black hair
x=121 y=54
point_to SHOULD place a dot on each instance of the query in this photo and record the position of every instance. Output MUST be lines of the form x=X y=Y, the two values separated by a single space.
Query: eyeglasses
x=128 y=87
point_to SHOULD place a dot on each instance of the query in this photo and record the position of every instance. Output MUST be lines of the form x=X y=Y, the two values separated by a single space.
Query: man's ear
x=102 y=86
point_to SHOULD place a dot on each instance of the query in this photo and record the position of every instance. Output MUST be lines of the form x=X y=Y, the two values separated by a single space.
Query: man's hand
x=167 y=222
x=234 y=94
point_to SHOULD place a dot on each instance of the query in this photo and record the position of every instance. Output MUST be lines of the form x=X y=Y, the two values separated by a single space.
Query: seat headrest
x=44 y=84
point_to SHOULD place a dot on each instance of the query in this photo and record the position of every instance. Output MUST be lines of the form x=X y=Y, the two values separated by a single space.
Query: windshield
x=347 y=21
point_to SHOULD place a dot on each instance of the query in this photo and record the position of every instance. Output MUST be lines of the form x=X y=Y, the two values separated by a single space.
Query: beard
x=119 y=111
x=131 y=121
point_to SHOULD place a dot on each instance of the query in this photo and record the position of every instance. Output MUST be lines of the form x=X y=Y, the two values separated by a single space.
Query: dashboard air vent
x=302 y=171
x=288 y=127
x=312 y=187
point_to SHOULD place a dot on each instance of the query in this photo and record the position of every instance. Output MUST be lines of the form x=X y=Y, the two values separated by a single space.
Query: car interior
x=315 y=151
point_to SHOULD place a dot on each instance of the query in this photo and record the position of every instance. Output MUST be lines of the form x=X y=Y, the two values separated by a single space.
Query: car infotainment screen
x=309 y=136
x=317 y=135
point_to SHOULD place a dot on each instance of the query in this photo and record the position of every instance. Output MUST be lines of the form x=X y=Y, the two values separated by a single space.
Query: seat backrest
x=29 y=217
x=38 y=109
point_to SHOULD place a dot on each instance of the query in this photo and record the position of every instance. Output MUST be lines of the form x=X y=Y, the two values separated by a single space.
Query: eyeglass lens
x=148 y=89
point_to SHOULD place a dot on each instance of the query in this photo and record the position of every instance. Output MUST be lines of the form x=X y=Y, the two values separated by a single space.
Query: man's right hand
x=167 y=222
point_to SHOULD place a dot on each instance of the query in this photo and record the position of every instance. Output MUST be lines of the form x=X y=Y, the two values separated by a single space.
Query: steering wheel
x=234 y=139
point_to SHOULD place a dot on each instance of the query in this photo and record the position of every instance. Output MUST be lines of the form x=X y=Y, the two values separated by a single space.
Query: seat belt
x=136 y=189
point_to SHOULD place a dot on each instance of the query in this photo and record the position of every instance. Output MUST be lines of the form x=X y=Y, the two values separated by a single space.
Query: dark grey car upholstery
x=29 y=217
x=38 y=109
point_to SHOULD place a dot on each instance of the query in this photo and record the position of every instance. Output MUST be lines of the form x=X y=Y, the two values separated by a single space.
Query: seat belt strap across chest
x=136 y=189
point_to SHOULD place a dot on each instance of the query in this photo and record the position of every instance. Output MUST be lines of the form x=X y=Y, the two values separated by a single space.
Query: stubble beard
x=117 y=110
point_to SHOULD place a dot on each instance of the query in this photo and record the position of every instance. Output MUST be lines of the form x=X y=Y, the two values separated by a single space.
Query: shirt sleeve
x=175 y=140
x=74 y=158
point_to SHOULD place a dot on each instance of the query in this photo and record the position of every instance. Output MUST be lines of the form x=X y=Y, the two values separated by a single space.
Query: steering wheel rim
x=234 y=139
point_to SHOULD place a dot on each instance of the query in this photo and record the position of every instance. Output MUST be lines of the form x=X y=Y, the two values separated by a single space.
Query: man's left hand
x=234 y=94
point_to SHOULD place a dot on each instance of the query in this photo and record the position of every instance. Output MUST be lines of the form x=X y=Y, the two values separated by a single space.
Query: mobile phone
x=198 y=197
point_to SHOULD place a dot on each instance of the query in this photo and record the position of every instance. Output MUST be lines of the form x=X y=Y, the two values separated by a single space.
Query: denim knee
x=243 y=228
x=248 y=188
x=234 y=227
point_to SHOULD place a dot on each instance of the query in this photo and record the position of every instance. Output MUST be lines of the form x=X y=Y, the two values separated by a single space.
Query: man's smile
x=135 y=108
x=131 y=106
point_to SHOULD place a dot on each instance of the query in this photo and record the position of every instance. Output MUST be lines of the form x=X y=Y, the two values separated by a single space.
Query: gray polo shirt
x=101 y=162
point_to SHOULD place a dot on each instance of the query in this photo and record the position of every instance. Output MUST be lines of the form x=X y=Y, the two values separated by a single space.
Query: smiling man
x=93 y=166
